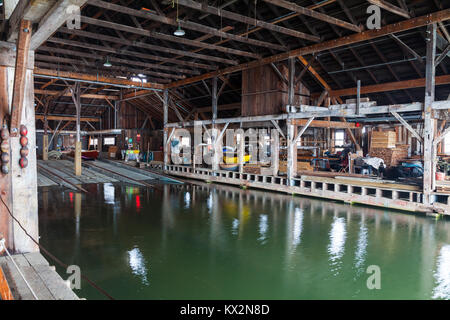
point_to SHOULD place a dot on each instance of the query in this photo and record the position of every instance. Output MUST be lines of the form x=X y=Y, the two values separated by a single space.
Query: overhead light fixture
x=179 y=32
x=107 y=63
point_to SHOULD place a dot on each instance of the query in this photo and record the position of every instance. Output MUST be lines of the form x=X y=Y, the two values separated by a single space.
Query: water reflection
x=138 y=265
x=361 y=248
x=296 y=245
x=442 y=275
x=108 y=193
x=298 y=226
x=336 y=248
x=263 y=227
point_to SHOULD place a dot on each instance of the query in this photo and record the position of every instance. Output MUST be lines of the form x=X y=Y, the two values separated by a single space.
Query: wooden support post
x=241 y=151
x=214 y=138
x=76 y=97
x=165 y=121
x=19 y=186
x=291 y=169
x=275 y=152
x=23 y=46
x=45 y=147
x=429 y=149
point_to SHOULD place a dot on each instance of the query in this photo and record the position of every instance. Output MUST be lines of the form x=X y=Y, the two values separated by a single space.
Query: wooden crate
x=383 y=139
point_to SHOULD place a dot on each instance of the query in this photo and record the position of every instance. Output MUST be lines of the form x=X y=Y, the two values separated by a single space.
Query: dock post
x=76 y=97
x=429 y=150
x=166 y=120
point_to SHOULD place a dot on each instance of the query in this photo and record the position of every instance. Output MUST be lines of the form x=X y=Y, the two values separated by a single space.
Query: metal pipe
x=87 y=133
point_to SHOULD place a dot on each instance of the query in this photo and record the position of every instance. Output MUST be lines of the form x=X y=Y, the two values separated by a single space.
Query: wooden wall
x=264 y=93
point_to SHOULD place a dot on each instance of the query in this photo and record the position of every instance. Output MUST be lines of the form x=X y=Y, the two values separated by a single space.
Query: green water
x=220 y=242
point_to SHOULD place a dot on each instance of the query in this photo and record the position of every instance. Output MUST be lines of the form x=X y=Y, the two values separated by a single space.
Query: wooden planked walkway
x=43 y=279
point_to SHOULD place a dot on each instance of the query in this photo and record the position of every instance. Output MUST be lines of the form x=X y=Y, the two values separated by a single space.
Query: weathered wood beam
x=314 y=14
x=413 y=23
x=111 y=59
x=68 y=94
x=390 y=86
x=185 y=24
x=99 y=79
x=247 y=20
x=325 y=124
x=56 y=17
x=22 y=55
x=161 y=36
x=121 y=67
x=66 y=118
x=391 y=8
x=147 y=46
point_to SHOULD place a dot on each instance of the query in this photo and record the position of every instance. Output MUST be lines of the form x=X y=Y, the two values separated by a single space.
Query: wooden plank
x=97 y=78
x=23 y=46
x=66 y=118
x=314 y=14
x=69 y=94
x=391 y=8
x=325 y=124
x=52 y=20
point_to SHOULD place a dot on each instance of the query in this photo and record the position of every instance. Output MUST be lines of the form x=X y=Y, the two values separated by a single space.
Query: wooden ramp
x=43 y=279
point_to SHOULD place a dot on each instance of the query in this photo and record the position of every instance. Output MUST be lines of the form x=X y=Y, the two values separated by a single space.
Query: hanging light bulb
x=179 y=32
x=107 y=63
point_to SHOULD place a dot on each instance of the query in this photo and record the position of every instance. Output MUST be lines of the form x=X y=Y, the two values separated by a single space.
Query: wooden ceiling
x=137 y=38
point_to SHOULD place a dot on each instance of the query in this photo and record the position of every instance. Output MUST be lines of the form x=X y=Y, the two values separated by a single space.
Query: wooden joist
x=247 y=20
x=66 y=118
x=184 y=24
x=23 y=46
x=418 y=22
x=390 y=86
x=325 y=124
x=391 y=8
x=52 y=20
x=69 y=94
x=314 y=14
x=89 y=77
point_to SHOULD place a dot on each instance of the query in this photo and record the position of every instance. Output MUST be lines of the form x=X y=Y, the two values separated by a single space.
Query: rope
x=2 y=244
x=62 y=264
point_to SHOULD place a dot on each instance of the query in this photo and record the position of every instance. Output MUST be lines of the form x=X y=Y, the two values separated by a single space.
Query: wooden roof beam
x=53 y=19
x=391 y=8
x=144 y=45
x=314 y=14
x=185 y=24
x=161 y=36
x=413 y=23
x=247 y=20
x=96 y=78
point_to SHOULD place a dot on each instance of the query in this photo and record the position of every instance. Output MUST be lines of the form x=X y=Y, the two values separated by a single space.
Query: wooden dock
x=347 y=189
x=43 y=279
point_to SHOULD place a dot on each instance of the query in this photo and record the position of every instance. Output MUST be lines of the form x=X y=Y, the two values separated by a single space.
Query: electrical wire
x=62 y=264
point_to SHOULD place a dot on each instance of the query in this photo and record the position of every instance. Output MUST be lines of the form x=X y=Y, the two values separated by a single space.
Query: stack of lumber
x=252 y=169
x=391 y=156
x=383 y=139
x=301 y=166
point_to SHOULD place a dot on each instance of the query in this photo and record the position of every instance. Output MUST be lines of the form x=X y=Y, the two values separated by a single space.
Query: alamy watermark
x=74 y=20
x=374 y=280
x=374 y=20
x=74 y=280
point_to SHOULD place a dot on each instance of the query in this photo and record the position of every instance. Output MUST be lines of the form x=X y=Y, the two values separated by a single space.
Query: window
x=339 y=139
x=185 y=142
x=111 y=141
x=446 y=144
x=94 y=142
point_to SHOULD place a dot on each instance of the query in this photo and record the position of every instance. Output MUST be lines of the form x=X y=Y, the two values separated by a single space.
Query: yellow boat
x=231 y=160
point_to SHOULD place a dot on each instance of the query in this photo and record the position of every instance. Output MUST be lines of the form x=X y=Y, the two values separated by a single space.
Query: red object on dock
x=440 y=176
x=93 y=154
